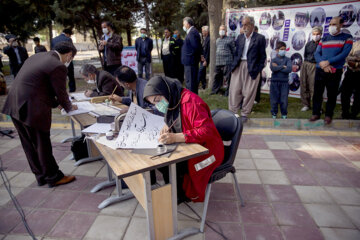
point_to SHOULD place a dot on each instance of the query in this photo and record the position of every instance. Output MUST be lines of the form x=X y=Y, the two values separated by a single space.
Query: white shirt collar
x=187 y=32
x=249 y=36
x=58 y=55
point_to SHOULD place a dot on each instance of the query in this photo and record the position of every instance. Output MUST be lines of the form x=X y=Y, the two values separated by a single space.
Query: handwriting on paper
x=140 y=129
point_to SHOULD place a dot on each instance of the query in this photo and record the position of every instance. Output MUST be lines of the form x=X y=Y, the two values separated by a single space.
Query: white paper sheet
x=98 y=128
x=83 y=107
x=109 y=143
x=102 y=109
x=140 y=129
x=80 y=96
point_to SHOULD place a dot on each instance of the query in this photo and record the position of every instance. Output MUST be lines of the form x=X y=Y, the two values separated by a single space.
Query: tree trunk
x=128 y=34
x=97 y=45
x=214 y=9
x=50 y=32
x=157 y=45
x=147 y=17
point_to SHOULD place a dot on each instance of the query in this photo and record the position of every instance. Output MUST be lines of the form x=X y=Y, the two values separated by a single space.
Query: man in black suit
x=248 y=63
x=17 y=54
x=191 y=54
x=40 y=86
x=179 y=67
x=143 y=46
x=206 y=53
x=65 y=36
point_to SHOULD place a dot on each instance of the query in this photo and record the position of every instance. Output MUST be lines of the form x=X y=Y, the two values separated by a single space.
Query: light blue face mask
x=282 y=53
x=174 y=36
x=162 y=106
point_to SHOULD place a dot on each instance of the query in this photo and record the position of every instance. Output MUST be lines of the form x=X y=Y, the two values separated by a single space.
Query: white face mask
x=184 y=28
x=333 y=30
x=15 y=44
x=316 y=38
x=105 y=31
x=222 y=32
x=91 y=81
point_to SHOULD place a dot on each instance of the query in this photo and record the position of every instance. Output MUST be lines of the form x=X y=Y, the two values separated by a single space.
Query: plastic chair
x=230 y=128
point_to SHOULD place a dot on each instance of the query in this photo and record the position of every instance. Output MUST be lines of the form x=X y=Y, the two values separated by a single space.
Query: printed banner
x=292 y=24
x=128 y=58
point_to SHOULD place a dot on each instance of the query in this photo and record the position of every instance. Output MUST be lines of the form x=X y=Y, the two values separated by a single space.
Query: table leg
x=172 y=174
x=110 y=182
x=73 y=132
x=149 y=207
x=185 y=232
x=115 y=199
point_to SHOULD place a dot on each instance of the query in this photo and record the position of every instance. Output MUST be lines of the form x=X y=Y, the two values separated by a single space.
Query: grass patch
x=157 y=67
x=262 y=109
x=6 y=70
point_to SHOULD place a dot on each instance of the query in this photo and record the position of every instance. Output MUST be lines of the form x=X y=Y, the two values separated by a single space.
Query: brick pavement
x=295 y=187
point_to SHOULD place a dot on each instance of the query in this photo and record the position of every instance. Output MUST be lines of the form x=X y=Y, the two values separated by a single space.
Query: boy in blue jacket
x=279 y=86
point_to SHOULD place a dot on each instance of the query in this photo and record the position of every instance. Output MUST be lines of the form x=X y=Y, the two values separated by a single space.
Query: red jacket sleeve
x=200 y=124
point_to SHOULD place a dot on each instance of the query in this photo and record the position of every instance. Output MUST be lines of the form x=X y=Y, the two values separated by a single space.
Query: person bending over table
x=104 y=82
x=126 y=78
x=190 y=120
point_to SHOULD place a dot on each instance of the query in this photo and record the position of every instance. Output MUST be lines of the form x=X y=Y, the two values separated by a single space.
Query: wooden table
x=85 y=120
x=160 y=204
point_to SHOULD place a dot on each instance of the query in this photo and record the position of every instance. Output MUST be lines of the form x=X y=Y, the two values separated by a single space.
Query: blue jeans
x=141 y=63
x=279 y=92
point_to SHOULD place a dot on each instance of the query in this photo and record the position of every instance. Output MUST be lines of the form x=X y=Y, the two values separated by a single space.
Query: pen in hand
x=113 y=92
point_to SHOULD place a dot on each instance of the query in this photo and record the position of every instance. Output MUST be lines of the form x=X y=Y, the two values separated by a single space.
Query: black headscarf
x=171 y=89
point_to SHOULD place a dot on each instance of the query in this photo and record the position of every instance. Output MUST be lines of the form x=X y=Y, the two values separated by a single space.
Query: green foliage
x=163 y=16
x=24 y=18
x=198 y=11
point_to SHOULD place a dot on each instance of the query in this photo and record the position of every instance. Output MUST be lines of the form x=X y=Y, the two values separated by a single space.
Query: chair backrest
x=230 y=128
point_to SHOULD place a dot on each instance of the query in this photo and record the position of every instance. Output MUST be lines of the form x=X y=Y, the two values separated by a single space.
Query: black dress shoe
x=41 y=183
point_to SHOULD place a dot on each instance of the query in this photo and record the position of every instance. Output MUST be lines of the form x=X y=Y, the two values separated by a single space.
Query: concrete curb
x=303 y=124
x=250 y=130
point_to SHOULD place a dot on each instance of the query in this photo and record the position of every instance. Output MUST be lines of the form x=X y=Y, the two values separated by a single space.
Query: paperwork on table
x=98 y=128
x=140 y=129
x=80 y=96
x=97 y=109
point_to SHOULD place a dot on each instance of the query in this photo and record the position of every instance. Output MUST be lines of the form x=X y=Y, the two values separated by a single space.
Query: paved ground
x=295 y=187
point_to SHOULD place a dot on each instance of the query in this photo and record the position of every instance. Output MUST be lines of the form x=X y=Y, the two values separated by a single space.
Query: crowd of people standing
x=239 y=64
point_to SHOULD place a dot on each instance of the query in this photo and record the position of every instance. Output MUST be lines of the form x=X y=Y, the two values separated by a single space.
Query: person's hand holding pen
x=115 y=98
x=167 y=137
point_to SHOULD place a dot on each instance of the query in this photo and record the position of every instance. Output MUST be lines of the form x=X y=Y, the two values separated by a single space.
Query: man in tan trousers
x=248 y=63
x=307 y=72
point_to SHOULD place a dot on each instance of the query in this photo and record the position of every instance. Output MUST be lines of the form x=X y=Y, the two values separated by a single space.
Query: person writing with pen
x=126 y=78
x=104 y=83
x=188 y=120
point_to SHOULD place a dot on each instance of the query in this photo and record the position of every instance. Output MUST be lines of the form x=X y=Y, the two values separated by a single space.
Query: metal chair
x=230 y=128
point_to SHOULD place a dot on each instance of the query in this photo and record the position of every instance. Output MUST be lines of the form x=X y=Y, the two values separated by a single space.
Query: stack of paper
x=83 y=107
x=98 y=128
x=80 y=96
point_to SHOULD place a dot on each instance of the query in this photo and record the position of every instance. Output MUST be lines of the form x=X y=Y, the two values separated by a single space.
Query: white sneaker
x=304 y=109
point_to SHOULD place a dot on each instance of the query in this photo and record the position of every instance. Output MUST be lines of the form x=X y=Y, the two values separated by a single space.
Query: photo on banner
x=293 y=25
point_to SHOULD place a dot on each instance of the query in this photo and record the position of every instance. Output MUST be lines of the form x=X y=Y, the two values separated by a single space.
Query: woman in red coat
x=191 y=122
